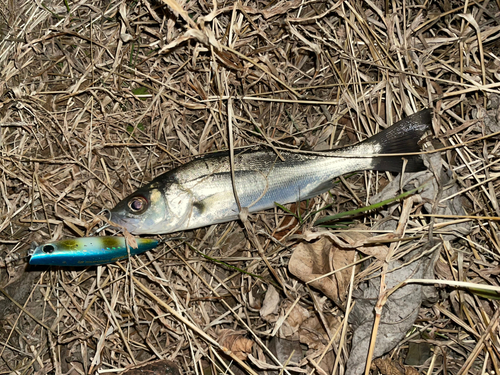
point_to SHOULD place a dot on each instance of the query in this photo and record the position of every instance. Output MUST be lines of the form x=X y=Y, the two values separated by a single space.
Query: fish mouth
x=116 y=221
x=128 y=223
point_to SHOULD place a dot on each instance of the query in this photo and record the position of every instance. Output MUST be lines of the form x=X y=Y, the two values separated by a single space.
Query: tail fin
x=400 y=138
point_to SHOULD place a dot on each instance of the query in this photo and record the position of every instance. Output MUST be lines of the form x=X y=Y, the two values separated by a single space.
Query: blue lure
x=88 y=251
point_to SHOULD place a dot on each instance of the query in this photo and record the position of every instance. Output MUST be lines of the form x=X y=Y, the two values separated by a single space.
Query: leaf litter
x=99 y=97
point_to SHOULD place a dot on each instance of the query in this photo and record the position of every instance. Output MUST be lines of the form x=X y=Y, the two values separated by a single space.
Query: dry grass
x=98 y=97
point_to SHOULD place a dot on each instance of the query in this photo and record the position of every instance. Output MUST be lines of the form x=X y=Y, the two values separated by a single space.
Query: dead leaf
x=310 y=261
x=286 y=351
x=236 y=342
x=353 y=240
x=271 y=302
x=162 y=366
x=313 y=334
x=386 y=367
x=256 y=296
x=363 y=243
x=411 y=371
x=398 y=313
x=130 y=239
x=296 y=316
x=290 y=221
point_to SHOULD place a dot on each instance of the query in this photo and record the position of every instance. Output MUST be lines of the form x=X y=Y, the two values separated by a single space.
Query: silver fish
x=200 y=193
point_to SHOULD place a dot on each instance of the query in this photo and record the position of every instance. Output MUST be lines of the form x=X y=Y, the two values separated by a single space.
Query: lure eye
x=48 y=249
x=138 y=204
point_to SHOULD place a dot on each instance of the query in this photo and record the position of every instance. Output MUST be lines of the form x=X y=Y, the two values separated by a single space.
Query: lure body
x=201 y=192
x=88 y=251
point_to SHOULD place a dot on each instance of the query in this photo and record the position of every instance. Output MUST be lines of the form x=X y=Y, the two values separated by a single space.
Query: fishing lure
x=88 y=251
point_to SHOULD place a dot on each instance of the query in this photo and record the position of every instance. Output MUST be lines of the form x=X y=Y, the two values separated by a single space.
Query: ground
x=98 y=97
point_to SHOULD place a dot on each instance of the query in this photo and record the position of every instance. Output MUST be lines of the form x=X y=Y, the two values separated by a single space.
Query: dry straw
x=100 y=96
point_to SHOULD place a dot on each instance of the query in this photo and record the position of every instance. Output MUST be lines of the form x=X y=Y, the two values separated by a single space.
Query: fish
x=200 y=193
x=87 y=251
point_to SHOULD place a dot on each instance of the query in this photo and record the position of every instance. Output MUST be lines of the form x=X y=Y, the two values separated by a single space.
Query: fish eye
x=48 y=249
x=138 y=204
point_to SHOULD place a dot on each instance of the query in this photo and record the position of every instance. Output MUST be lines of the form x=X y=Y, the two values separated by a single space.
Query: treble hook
x=107 y=225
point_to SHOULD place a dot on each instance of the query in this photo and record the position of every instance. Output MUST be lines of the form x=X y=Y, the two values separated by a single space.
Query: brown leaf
x=386 y=367
x=390 y=367
x=312 y=260
x=161 y=366
x=130 y=239
x=355 y=241
x=411 y=371
x=290 y=221
x=293 y=320
x=298 y=315
x=236 y=342
x=271 y=302
x=312 y=332
x=363 y=244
